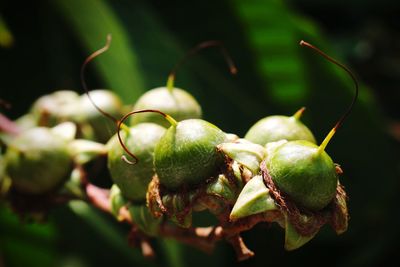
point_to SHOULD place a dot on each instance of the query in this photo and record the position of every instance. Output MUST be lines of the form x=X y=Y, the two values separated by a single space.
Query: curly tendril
x=350 y=108
x=121 y=121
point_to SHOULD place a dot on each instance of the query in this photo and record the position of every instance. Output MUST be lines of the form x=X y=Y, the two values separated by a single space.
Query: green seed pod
x=109 y=103
x=185 y=157
x=275 y=128
x=305 y=172
x=176 y=102
x=55 y=108
x=133 y=180
x=37 y=161
x=187 y=153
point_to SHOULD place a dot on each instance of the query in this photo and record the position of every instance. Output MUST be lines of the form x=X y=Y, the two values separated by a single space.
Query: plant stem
x=203 y=238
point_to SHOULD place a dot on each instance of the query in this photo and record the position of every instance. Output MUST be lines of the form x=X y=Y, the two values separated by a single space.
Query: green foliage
x=276 y=76
x=37 y=241
x=91 y=21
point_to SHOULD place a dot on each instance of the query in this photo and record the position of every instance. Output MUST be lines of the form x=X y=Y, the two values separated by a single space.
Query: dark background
x=43 y=44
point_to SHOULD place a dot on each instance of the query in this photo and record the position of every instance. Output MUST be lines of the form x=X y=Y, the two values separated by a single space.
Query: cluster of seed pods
x=167 y=163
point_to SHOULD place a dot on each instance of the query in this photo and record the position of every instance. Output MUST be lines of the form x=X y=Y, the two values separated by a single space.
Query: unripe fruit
x=133 y=180
x=187 y=153
x=275 y=128
x=303 y=172
x=107 y=101
x=54 y=108
x=178 y=103
x=37 y=161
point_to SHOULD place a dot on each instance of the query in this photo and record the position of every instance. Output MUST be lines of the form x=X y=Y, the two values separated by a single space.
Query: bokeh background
x=43 y=44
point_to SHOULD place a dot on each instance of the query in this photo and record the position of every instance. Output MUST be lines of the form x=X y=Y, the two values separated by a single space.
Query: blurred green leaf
x=273 y=38
x=274 y=32
x=91 y=21
x=263 y=36
x=6 y=37
x=107 y=231
x=173 y=253
x=35 y=241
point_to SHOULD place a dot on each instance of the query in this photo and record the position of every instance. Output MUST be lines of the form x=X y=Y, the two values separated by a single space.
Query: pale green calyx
x=66 y=130
x=117 y=201
x=176 y=205
x=237 y=173
x=143 y=218
x=244 y=152
x=223 y=188
x=84 y=151
x=73 y=186
x=253 y=199
x=293 y=239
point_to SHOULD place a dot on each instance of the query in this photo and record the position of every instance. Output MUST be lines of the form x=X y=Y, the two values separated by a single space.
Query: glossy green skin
x=309 y=178
x=52 y=109
x=179 y=104
x=107 y=101
x=187 y=155
x=275 y=128
x=37 y=161
x=134 y=179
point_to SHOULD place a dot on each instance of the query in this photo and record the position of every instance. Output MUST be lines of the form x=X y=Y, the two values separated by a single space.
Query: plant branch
x=204 y=238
